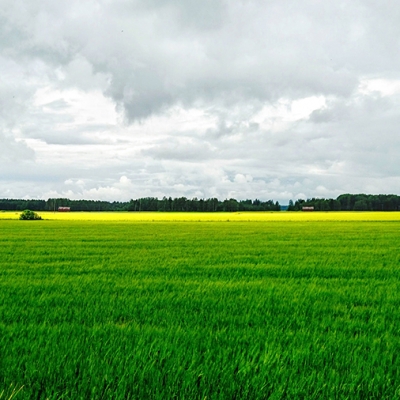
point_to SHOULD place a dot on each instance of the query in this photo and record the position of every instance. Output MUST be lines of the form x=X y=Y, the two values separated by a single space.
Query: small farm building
x=308 y=208
x=64 y=209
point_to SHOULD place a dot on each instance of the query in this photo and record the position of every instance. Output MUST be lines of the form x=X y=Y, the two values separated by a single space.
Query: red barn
x=64 y=209
x=308 y=208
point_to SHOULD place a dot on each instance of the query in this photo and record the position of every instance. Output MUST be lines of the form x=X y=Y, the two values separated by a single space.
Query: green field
x=195 y=310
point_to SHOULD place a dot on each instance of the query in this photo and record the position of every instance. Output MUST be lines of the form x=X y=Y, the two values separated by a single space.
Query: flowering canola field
x=209 y=216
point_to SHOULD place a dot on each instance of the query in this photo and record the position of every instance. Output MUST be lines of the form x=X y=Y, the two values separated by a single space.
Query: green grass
x=195 y=310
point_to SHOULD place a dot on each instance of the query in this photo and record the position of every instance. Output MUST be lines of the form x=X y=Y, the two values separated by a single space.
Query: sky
x=120 y=99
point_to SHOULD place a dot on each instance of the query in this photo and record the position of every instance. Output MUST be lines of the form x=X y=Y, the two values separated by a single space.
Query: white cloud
x=385 y=87
x=124 y=180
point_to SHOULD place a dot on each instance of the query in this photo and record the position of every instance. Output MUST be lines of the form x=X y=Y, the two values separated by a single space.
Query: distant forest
x=142 y=204
x=350 y=202
x=345 y=202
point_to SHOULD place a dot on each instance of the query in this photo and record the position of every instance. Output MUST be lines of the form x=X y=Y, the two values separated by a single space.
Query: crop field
x=210 y=216
x=279 y=306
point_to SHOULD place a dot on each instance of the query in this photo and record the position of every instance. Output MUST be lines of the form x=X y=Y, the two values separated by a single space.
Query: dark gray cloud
x=12 y=151
x=259 y=51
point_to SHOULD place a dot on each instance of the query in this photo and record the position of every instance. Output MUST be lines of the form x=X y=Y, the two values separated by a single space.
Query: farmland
x=195 y=306
x=210 y=216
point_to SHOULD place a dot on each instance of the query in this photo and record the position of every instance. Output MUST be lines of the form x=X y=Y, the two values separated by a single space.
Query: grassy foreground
x=216 y=310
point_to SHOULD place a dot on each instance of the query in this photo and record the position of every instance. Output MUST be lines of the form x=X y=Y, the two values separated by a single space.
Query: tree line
x=344 y=202
x=142 y=204
x=350 y=202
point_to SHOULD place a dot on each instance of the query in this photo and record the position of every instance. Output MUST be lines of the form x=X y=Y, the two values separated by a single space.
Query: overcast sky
x=277 y=99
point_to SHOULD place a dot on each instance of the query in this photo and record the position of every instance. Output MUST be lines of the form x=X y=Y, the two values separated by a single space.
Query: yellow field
x=217 y=217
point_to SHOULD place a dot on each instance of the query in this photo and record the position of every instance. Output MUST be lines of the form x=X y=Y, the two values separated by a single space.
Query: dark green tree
x=29 y=215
